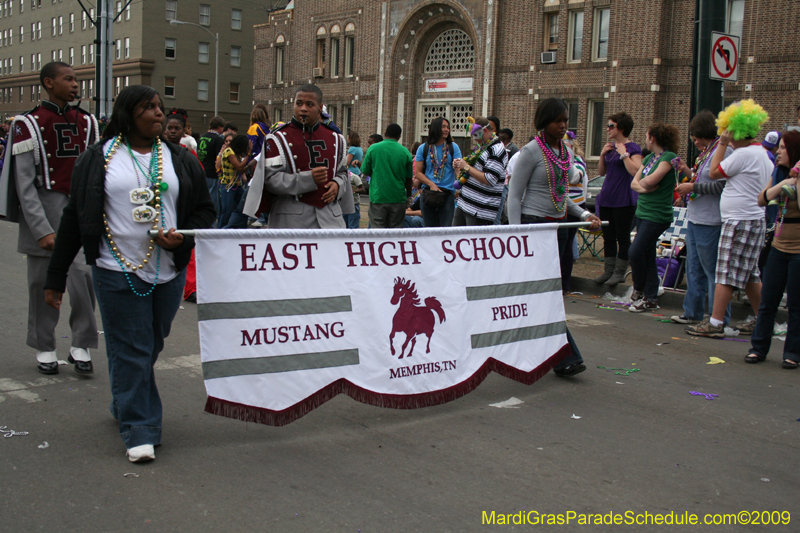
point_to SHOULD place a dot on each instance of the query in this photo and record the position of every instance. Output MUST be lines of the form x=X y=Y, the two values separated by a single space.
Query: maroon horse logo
x=411 y=318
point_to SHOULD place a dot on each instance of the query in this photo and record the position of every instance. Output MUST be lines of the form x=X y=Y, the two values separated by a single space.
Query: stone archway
x=435 y=43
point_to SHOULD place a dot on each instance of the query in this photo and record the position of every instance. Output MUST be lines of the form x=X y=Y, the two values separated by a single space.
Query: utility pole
x=104 y=47
x=104 y=54
x=710 y=15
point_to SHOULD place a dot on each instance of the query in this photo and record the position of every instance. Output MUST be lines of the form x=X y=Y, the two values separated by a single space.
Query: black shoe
x=81 y=367
x=48 y=368
x=569 y=371
x=192 y=297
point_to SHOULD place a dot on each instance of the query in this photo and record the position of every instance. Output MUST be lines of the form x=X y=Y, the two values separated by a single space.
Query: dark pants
x=439 y=217
x=387 y=215
x=567 y=253
x=782 y=271
x=643 y=257
x=460 y=218
x=617 y=235
x=575 y=355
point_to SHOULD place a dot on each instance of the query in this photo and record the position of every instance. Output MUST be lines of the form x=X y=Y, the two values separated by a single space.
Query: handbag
x=433 y=199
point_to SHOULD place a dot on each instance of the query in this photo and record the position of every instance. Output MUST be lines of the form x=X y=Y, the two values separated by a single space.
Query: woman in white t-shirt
x=131 y=183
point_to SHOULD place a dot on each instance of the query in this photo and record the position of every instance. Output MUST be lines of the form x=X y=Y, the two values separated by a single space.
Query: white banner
x=398 y=318
x=448 y=85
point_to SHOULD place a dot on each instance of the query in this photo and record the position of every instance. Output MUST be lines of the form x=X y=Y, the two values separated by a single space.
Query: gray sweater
x=529 y=190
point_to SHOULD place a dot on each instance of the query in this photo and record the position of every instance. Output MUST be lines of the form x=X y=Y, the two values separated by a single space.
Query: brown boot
x=609 y=270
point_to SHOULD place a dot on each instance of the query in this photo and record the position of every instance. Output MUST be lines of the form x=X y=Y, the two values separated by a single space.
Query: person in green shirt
x=389 y=165
x=655 y=183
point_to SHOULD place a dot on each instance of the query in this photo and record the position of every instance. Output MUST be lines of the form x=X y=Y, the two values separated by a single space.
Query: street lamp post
x=216 y=57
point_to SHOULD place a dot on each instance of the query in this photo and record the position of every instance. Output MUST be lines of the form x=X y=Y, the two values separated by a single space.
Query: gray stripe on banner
x=487 y=292
x=496 y=338
x=279 y=363
x=300 y=306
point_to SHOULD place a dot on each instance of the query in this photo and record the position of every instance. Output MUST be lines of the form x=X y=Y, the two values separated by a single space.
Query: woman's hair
x=624 y=122
x=791 y=140
x=576 y=147
x=435 y=131
x=704 y=125
x=178 y=114
x=354 y=139
x=123 y=117
x=239 y=145
x=259 y=114
x=415 y=147
x=665 y=136
x=549 y=111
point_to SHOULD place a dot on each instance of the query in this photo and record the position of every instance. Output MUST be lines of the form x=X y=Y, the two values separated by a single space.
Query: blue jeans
x=353 y=220
x=701 y=260
x=228 y=201
x=499 y=220
x=781 y=272
x=642 y=257
x=439 y=217
x=135 y=328
x=412 y=221
x=575 y=355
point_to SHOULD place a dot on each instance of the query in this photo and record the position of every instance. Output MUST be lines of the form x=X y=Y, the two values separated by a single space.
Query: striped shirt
x=483 y=201
x=577 y=191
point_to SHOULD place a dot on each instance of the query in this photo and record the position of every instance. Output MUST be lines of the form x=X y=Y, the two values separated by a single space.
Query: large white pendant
x=142 y=195
x=144 y=213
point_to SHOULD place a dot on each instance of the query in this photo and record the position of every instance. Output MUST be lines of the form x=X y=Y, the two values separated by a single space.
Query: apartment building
x=179 y=60
x=401 y=61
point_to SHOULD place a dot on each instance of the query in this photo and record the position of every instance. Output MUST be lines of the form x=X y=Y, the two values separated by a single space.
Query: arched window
x=321 y=31
x=451 y=51
x=336 y=29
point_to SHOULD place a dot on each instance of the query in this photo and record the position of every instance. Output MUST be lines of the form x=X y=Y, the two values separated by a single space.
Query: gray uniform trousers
x=42 y=318
x=40 y=215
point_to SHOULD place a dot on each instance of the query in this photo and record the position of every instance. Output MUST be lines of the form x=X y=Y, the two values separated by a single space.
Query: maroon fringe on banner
x=248 y=413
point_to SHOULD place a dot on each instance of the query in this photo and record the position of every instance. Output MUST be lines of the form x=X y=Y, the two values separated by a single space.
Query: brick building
x=404 y=61
x=177 y=60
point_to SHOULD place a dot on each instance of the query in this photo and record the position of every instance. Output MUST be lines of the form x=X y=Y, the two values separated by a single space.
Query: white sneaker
x=145 y=452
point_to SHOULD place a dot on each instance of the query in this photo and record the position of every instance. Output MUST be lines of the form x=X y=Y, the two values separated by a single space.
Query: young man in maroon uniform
x=44 y=144
x=301 y=177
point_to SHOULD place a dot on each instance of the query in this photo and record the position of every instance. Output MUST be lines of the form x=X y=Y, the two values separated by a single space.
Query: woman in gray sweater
x=538 y=191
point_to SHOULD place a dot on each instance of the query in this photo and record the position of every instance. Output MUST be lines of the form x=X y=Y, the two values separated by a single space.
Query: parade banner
x=395 y=318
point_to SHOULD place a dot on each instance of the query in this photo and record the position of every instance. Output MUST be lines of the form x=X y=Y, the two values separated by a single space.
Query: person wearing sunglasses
x=620 y=159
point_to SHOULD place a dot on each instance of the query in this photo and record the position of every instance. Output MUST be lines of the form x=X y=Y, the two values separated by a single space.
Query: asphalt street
x=642 y=444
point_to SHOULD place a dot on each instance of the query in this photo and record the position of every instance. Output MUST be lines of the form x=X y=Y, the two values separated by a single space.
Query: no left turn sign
x=724 y=64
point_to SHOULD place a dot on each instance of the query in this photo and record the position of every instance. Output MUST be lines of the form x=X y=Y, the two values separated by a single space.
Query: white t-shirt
x=189 y=142
x=131 y=238
x=748 y=171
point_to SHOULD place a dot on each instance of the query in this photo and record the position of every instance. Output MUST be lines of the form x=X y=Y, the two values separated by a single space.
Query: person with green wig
x=747 y=171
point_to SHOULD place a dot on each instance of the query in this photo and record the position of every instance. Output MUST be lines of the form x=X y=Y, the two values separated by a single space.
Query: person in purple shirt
x=620 y=159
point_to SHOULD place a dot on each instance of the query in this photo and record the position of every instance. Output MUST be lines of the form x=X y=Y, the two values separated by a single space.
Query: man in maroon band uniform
x=301 y=177
x=43 y=146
